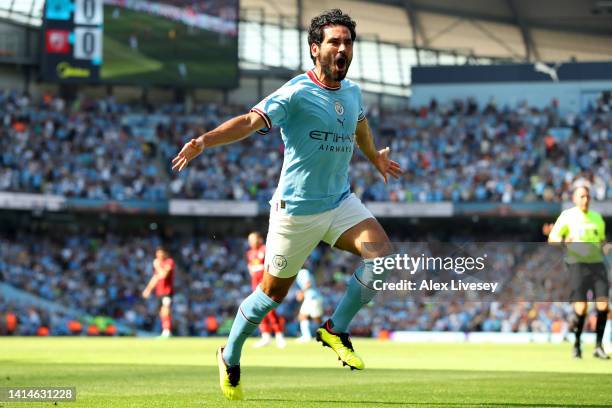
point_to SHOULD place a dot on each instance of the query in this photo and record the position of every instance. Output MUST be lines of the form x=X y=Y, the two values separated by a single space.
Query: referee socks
x=600 y=325
x=577 y=325
x=250 y=313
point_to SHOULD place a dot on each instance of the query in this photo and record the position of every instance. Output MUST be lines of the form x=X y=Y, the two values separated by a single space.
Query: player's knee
x=275 y=292
x=602 y=305
x=580 y=308
x=379 y=247
x=276 y=288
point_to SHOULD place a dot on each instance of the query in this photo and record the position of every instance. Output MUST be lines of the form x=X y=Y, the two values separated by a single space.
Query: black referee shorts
x=585 y=277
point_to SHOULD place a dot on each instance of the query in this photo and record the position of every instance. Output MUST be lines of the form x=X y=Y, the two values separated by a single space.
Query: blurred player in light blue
x=312 y=303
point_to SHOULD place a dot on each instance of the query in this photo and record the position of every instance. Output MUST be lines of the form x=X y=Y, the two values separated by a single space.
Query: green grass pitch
x=181 y=372
x=210 y=60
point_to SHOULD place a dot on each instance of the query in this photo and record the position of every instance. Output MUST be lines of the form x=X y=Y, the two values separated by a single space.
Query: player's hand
x=607 y=248
x=386 y=166
x=191 y=149
x=146 y=293
x=546 y=228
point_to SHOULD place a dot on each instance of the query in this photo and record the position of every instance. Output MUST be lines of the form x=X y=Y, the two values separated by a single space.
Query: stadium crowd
x=102 y=276
x=455 y=151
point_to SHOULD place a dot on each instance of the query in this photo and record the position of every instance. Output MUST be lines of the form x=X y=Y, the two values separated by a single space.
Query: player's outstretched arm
x=231 y=131
x=379 y=158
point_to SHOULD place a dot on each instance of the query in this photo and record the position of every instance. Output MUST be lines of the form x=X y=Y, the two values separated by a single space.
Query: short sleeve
x=274 y=108
x=361 y=110
x=560 y=229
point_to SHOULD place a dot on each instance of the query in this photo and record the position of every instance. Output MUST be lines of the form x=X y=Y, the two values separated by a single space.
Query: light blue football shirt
x=318 y=126
x=305 y=277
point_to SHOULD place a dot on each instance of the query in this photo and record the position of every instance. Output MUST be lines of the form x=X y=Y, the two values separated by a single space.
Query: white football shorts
x=312 y=307
x=291 y=238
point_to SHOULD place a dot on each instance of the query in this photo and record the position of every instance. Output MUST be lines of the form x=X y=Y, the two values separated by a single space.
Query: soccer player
x=312 y=303
x=271 y=322
x=163 y=282
x=584 y=232
x=320 y=115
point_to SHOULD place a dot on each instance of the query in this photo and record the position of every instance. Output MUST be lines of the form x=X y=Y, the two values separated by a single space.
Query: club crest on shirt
x=279 y=262
x=339 y=108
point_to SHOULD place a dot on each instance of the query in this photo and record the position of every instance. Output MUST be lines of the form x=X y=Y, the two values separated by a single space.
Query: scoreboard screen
x=139 y=42
x=178 y=43
x=72 y=43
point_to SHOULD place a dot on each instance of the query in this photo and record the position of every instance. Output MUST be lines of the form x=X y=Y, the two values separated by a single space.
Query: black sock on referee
x=602 y=316
x=577 y=325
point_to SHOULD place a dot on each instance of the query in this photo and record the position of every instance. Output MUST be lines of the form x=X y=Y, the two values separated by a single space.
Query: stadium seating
x=456 y=151
x=102 y=275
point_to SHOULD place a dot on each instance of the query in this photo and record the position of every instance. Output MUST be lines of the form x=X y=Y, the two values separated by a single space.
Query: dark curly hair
x=330 y=17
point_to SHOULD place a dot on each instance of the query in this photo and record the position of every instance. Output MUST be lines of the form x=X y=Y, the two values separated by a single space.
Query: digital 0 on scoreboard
x=72 y=40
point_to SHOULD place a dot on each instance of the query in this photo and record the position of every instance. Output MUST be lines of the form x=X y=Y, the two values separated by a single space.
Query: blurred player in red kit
x=272 y=322
x=163 y=282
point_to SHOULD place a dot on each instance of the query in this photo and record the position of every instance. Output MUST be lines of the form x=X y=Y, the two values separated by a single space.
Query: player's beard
x=336 y=67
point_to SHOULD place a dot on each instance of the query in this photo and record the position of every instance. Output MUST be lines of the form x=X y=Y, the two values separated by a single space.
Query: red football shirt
x=255 y=259
x=165 y=287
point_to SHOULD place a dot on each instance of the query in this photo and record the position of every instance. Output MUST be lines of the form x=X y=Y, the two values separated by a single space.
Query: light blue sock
x=250 y=313
x=359 y=292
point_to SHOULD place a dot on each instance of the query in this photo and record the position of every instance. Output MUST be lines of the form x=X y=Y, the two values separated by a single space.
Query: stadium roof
x=550 y=30
x=28 y=12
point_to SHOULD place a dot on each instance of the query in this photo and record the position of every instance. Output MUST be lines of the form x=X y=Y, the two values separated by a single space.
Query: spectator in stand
x=101 y=276
x=453 y=151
